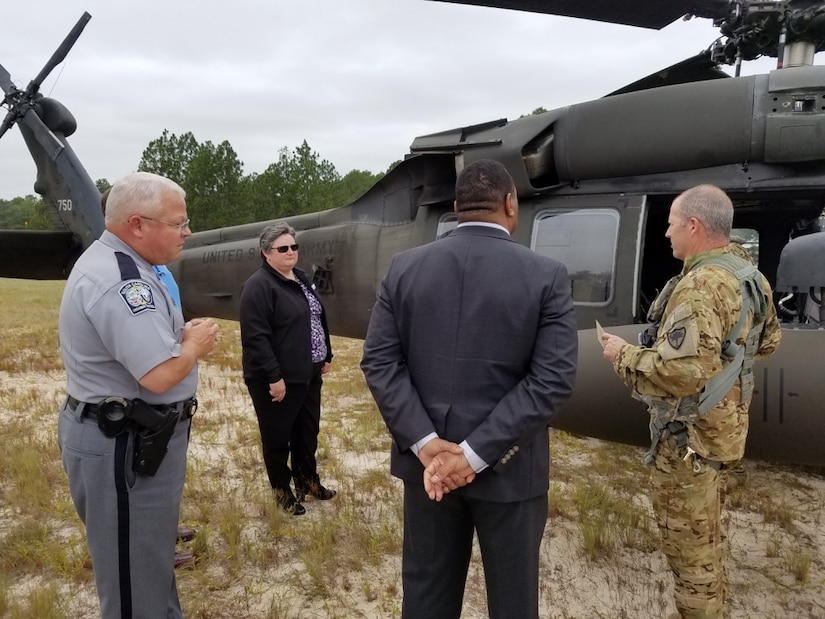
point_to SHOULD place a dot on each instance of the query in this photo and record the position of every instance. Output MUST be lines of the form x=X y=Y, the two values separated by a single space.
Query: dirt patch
x=254 y=562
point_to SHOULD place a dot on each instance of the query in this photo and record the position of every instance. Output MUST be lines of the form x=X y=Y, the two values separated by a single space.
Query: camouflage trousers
x=688 y=505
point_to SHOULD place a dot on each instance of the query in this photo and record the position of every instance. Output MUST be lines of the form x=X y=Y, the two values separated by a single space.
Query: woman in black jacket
x=286 y=350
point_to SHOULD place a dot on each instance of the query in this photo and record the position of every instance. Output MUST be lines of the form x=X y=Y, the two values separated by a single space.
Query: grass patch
x=28 y=337
x=608 y=521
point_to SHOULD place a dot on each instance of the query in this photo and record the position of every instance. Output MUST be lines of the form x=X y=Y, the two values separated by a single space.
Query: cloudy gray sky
x=357 y=79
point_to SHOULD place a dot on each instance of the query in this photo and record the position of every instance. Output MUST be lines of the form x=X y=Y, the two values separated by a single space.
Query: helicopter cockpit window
x=446 y=224
x=585 y=242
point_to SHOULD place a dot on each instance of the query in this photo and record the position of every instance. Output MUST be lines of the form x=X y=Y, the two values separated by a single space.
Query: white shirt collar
x=486 y=224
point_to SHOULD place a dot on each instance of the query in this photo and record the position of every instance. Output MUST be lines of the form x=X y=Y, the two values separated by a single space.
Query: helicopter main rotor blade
x=5 y=81
x=654 y=14
x=60 y=54
x=697 y=68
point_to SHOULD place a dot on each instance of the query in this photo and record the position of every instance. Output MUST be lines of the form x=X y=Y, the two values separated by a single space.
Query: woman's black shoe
x=287 y=502
x=314 y=489
x=186 y=534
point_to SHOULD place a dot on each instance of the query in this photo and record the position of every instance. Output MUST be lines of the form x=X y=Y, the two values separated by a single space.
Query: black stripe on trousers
x=123 y=560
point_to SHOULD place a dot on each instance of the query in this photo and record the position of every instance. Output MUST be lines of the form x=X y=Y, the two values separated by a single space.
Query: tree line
x=218 y=193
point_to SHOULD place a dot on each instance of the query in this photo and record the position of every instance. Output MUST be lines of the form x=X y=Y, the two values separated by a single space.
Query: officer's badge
x=138 y=296
x=676 y=337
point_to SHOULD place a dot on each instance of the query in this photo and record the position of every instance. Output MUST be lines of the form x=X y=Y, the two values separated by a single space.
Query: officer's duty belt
x=186 y=408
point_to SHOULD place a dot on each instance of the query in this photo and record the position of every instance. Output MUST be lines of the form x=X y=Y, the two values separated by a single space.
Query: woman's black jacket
x=275 y=327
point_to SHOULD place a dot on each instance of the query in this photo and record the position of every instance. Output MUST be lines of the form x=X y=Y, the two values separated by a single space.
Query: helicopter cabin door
x=598 y=239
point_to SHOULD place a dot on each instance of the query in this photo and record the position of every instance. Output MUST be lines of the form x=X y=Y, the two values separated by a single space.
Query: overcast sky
x=357 y=79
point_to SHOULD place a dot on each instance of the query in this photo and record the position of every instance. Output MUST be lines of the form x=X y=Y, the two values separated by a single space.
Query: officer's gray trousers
x=131 y=520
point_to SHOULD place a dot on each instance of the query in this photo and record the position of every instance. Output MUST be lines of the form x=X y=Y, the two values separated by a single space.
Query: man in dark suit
x=470 y=351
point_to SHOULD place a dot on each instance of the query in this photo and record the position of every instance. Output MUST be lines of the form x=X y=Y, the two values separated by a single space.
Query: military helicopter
x=595 y=182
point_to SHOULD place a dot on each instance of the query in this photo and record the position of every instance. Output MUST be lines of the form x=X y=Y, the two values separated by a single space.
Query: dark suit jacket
x=474 y=337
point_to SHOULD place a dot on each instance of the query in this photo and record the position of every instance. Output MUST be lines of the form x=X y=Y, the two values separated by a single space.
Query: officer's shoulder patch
x=138 y=296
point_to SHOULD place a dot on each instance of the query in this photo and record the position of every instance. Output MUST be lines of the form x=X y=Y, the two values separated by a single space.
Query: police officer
x=124 y=341
x=165 y=276
x=690 y=456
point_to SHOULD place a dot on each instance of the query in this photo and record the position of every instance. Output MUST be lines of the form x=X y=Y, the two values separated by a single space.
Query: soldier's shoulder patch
x=681 y=333
x=138 y=296
x=676 y=337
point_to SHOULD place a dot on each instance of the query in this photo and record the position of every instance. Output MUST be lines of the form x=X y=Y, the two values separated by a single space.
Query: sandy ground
x=631 y=582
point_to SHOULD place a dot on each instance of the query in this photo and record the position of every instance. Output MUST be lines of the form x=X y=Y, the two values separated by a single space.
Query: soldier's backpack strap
x=657 y=308
x=737 y=360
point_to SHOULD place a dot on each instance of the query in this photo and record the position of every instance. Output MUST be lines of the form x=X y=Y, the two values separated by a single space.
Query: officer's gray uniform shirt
x=114 y=331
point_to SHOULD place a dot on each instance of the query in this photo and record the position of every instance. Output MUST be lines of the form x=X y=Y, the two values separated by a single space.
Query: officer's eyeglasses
x=282 y=249
x=184 y=225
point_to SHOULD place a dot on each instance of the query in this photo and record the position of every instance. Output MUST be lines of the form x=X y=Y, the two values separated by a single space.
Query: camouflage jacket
x=701 y=312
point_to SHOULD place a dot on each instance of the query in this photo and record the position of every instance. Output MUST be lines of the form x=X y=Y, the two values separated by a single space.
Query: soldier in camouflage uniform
x=689 y=466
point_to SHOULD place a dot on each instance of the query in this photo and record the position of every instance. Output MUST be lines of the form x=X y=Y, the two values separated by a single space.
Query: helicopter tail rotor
x=9 y=100
x=59 y=54
x=19 y=101
x=5 y=81
x=69 y=195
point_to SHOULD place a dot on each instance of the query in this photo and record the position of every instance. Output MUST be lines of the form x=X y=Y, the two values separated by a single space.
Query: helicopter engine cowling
x=778 y=118
x=775 y=118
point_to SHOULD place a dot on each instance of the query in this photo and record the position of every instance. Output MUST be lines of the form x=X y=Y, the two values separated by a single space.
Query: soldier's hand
x=613 y=344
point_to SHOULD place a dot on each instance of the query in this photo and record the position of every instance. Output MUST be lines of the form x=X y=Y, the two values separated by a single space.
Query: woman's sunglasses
x=282 y=249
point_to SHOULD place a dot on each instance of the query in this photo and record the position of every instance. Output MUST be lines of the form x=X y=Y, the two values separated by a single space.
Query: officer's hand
x=202 y=333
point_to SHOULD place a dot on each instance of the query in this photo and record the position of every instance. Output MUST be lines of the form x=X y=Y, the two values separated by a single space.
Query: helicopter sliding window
x=585 y=242
x=446 y=224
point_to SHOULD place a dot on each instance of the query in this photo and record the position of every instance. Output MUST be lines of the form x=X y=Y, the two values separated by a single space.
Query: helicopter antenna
x=780 y=52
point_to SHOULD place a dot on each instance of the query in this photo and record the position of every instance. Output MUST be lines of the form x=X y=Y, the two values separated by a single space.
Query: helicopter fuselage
x=594 y=192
